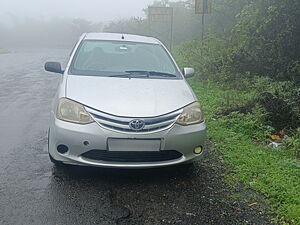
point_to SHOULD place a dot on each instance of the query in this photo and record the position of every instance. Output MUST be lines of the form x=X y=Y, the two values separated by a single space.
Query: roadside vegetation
x=242 y=139
x=248 y=81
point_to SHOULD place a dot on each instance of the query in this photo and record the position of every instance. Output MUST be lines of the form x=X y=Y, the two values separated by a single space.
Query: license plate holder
x=133 y=145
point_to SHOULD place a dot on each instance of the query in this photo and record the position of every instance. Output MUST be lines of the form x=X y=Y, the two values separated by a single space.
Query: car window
x=102 y=58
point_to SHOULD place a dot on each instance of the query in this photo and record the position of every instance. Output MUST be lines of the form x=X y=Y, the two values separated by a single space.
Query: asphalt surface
x=33 y=191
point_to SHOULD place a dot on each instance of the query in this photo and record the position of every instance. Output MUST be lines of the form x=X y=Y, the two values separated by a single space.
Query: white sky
x=94 y=10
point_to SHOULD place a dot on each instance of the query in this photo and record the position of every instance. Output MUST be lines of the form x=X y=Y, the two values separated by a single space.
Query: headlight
x=191 y=114
x=70 y=111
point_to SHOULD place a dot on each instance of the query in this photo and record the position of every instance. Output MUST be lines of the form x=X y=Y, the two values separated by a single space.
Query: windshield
x=113 y=58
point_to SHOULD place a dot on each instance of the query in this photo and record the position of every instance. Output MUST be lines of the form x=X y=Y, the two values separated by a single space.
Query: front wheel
x=55 y=162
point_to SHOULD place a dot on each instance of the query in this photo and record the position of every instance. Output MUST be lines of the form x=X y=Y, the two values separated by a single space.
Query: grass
x=273 y=173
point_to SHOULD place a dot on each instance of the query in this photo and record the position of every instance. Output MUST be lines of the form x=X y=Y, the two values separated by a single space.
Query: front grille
x=121 y=124
x=110 y=156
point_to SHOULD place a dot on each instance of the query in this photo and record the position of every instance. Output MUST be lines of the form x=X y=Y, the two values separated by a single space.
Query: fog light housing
x=62 y=149
x=198 y=150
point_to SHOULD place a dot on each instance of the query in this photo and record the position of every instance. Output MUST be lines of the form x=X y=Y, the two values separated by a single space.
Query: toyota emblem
x=137 y=124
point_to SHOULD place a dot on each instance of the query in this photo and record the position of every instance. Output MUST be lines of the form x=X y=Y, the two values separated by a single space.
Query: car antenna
x=123 y=37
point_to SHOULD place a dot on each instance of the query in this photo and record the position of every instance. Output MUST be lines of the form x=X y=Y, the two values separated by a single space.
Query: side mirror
x=53 y=67
x=188 y=72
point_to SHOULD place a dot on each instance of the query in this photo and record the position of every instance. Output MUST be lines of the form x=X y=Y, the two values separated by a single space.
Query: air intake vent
x=108 y=156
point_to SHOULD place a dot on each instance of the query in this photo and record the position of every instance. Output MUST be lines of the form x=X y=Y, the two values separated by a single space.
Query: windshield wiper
x=132 y=74
x=125 y=75
x=161 y=74
x=151 y=73
x=136 y=73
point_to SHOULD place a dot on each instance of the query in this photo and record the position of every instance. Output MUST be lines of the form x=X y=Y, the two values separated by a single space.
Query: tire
x=188 y=165
x=55 y=162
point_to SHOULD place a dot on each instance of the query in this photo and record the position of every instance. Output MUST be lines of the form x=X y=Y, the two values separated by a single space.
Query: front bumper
x=75 y=137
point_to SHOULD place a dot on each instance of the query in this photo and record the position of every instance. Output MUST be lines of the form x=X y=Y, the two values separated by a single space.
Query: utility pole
x=203 y=24
x=172 y=22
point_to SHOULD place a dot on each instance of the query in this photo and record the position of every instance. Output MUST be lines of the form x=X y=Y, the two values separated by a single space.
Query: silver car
x=123 y=102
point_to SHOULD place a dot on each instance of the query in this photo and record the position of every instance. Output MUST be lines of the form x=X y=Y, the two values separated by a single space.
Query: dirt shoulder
x=187 y=195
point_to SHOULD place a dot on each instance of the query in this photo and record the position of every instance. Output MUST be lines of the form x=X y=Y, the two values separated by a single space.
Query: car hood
x=129 y=97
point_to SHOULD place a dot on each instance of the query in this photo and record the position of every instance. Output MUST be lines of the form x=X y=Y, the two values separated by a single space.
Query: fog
x=59 y=23
x=93 y=10
x=37 y=23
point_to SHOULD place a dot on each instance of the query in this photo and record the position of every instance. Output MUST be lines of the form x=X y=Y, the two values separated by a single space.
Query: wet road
x=32 y=191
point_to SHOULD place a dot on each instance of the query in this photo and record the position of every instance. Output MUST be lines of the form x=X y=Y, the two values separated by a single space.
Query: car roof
x=118 y=37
